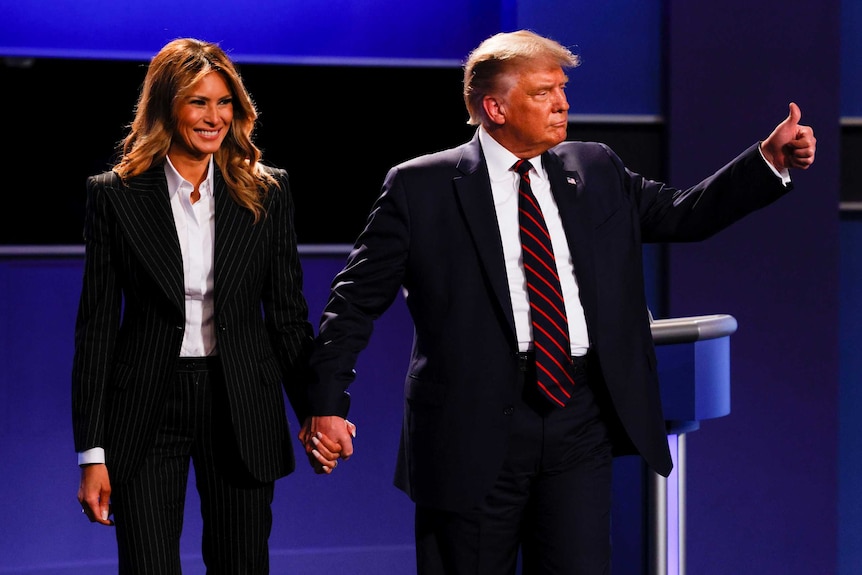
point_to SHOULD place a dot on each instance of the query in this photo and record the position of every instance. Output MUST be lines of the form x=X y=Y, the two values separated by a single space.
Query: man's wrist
x=783 y=174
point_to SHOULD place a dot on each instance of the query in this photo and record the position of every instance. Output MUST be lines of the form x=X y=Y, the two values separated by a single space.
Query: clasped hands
x=326 y=440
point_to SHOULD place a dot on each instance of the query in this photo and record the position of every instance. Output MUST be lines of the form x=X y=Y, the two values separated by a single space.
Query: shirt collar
x=175 y=180
x=500 y=160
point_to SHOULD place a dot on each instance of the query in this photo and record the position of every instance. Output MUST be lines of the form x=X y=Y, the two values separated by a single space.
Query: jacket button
x=509 y=410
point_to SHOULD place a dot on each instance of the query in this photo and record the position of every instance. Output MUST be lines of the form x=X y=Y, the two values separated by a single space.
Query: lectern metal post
x=694 y=372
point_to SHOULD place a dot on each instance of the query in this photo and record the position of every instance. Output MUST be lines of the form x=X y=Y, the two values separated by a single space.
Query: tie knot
x=522 y=167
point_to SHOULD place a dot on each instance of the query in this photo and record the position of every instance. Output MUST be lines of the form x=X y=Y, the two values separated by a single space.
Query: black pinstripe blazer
x=130 y=321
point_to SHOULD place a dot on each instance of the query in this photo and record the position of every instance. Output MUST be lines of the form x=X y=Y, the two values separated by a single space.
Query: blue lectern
x=694 y=372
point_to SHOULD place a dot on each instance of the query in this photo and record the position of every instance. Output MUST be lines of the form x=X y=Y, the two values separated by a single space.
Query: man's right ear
x=494 y=109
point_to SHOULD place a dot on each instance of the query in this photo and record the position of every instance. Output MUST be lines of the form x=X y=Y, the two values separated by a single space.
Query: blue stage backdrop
x=851 y=59
x=616 y=38
x=763 y=480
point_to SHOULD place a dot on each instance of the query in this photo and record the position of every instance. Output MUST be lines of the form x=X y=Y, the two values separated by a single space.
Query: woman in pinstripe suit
x=191 y=322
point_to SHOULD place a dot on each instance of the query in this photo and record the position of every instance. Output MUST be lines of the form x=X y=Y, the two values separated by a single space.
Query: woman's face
x=204 y=116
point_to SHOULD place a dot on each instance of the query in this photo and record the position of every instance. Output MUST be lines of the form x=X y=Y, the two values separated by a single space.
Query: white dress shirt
x=196 y=232
x=504 y=187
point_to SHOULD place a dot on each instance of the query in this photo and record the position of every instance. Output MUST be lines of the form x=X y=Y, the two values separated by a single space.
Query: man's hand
x=326 y=440
x=791 y=144
x=94 y=493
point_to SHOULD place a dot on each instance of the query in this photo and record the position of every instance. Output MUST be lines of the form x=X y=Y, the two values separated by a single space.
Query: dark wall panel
x=336 y=142
x=335 y=129
x=851 y=156
x=762 y=481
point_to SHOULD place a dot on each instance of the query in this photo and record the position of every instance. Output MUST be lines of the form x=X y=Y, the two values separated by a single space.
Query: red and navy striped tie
x=547 y=310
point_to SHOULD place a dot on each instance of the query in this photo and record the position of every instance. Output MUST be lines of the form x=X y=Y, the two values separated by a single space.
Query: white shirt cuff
x=783 y=174
x=94 y=455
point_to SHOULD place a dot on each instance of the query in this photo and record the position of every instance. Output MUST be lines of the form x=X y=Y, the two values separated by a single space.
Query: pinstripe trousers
x=236 y=509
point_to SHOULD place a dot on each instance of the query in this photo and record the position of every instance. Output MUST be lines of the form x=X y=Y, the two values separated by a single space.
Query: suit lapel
x=474 y=194
x=236 y=237
x=144 y=212
x=568 y=190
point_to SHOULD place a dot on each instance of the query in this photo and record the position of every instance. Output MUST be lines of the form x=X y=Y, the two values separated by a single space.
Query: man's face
x=535 y=110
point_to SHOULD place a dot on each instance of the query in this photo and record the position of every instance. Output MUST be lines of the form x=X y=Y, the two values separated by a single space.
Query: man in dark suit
x=192 y=324
x=494 y=463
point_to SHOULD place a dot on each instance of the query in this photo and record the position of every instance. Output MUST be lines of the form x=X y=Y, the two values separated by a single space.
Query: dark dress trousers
x=433 y=231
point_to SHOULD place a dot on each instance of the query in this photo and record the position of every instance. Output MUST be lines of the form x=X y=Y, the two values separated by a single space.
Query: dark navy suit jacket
x=433 y=232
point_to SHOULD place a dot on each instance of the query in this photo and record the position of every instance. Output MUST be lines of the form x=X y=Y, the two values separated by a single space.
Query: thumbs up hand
x=791 y=144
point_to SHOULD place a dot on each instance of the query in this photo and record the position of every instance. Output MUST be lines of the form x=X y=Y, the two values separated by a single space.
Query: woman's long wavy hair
x=178 y=67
